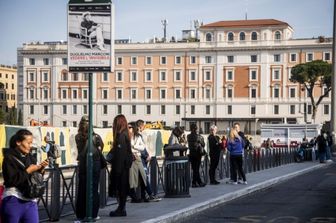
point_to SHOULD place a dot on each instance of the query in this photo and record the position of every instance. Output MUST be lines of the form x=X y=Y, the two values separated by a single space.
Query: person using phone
x=15 y=206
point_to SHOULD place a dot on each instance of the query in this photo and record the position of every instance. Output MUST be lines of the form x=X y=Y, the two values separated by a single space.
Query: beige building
x=8 y=88
x=238 y=71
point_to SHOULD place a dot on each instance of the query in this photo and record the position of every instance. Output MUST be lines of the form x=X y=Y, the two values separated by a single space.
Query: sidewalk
x=174 y=209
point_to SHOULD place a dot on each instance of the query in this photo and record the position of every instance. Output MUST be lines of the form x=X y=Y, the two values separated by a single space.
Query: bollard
x=153 y=173
x=206 y=168
x=55 y=193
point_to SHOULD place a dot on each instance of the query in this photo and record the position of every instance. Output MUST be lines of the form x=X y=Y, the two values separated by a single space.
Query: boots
x=118 y=213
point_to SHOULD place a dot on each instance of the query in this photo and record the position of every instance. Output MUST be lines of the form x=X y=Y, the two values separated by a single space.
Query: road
x=308 y=198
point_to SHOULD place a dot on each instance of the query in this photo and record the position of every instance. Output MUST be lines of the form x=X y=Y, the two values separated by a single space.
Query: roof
x=246 y=23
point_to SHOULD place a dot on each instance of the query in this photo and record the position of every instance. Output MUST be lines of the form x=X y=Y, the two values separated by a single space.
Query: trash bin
x=176 y=172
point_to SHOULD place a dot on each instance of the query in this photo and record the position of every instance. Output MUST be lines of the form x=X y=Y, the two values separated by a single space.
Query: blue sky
x=46 y=20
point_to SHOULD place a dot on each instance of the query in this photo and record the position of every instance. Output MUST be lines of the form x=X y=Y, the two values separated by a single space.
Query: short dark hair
x=140 y=122
x=193 y=127
x=19 y=136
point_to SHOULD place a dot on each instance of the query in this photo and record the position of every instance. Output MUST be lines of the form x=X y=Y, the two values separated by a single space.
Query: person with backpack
x=16 y=205
x=196 y=151
x=82 y=138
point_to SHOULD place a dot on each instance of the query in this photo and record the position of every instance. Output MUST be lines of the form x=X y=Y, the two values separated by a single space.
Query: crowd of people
x=129 y=158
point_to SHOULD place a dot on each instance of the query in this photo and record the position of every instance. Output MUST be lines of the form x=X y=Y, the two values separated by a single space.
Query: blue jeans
x=322 y=156
x=148 y=187
x=328 y=153
x=14 y=210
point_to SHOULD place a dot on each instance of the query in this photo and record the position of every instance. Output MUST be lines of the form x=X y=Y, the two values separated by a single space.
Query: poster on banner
x=90 y=37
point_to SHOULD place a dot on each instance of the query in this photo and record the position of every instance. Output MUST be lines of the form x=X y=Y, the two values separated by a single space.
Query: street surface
x=309 y=198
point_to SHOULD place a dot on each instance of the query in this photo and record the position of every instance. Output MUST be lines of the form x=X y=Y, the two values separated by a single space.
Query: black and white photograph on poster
x=89 y=37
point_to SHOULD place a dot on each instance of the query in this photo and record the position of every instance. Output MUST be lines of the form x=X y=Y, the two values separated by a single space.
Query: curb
x=183 y=213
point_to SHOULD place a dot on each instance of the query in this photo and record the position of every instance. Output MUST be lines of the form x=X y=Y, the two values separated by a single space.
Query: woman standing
x=137 y=172
x=196 y=147
x=214 y=152
x=235 y=147
x=121 y=163
x=15 y=206
x=82 y=146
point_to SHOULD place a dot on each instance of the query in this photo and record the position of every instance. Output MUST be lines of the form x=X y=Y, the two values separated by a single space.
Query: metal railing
x=60 y=195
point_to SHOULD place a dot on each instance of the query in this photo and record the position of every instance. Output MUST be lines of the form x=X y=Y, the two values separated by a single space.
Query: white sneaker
x=245 y=182
x=232 y=182
x=154 y=198
x=96 y=218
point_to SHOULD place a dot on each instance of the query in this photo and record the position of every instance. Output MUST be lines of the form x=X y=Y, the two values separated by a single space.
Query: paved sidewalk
x=174 y=209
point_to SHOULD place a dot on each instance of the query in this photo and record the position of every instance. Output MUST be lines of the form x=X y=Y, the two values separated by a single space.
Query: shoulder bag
x=36 y=185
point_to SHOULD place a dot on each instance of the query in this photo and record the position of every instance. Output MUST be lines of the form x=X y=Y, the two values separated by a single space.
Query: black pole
x=89 y=195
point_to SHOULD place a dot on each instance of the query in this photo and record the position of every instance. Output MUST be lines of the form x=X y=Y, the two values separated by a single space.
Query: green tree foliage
x=2 y=117
x=310 y=74
x=11 y=117
x=20 y=118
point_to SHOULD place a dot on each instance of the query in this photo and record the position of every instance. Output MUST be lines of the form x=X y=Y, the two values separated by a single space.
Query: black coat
x=214 y=145
x=13 y=173
x=195 y=141
x=121 y=162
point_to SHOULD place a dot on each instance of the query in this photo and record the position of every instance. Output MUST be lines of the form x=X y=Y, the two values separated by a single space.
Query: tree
x=20 y=118
x=12 y=115
x=2 y=117
x=313 y=73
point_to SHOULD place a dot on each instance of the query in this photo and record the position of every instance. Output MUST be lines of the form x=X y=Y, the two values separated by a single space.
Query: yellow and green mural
x=65 y=138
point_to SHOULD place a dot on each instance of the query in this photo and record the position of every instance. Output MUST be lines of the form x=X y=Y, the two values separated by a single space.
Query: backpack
x=36 y=184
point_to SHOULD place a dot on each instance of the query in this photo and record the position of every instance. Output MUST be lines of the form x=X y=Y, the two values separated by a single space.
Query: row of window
x=163 y=93
x=6 y=86
x=163 y=109
x=192 y=60
x=32 y=76
x=7 y=96
x=149 y=60
x=230 y=59
x=6 y=76
x=45 y=61
x=209 y=37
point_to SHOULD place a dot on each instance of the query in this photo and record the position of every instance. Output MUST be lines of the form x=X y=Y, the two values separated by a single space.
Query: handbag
x=36 y=184
x=109 y=156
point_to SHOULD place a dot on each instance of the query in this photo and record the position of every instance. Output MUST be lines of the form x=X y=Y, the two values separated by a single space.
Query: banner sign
x=90 y=37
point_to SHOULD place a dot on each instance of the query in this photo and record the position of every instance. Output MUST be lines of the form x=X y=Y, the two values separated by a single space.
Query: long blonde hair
x=233 y=134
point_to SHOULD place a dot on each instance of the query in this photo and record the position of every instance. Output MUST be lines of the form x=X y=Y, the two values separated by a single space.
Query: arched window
x=242 y=36
x=208 y=37
x=277 y=35
x=230 y=36
x=254 y=36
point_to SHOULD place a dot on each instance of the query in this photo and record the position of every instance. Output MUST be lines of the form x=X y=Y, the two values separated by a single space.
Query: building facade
x=238 y=71
x=8 y=87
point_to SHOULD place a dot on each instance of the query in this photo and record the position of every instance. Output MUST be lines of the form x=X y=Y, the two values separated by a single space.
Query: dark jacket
x=214 y=145
x=235 y=147
x=195 y=143
x=322 y=143
x=81 y=143
x=13 y=173
x=122 y=153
